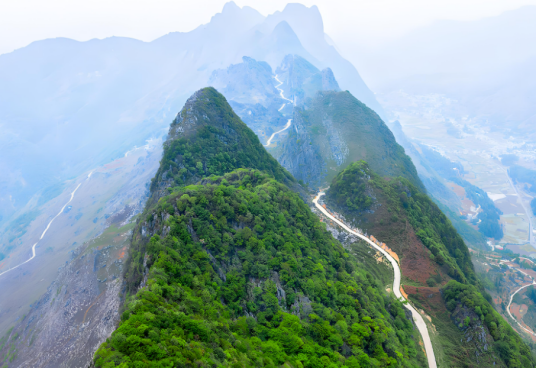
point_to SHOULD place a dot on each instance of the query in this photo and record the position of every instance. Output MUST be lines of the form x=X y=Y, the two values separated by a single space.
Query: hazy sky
x=348 y=22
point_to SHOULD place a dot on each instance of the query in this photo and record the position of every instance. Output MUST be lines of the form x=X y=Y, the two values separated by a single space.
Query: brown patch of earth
x=514 y=309
x=430 y=299
x=416 y=263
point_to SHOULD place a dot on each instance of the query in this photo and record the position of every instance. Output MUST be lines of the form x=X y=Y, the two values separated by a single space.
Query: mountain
x=436 y=266
x=308 y=25
x=263 y=102
x=329 y=128
x=302 y=80
x=335 y=129
x=435 y=171
x=208 y=138
x=65 y=105
x=236 y=269
x=250 y=88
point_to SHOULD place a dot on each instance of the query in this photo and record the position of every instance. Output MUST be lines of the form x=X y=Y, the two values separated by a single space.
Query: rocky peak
x=329 y=83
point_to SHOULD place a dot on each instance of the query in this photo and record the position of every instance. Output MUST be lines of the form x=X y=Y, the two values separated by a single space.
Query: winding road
x=510 y=303
x=419 y=321
x=46 y=229
x=289 y=122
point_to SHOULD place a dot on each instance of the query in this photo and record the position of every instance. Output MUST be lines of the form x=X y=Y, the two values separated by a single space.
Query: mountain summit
x=208 y=138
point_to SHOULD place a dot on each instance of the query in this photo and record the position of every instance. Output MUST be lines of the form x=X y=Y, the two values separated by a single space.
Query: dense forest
x=235 y=270
x=208 y=138
x=246 y=275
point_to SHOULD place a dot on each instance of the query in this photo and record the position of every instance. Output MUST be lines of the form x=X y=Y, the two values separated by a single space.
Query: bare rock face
x=301 y=158
x=79 y=310
x=475 y=335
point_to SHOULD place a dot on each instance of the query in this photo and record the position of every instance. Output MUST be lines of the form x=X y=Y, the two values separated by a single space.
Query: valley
x=118 y=187
x=437 y=122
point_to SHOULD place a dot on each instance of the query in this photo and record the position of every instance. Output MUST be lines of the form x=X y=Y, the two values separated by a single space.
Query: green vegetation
x=349 y=189
x=471 y=236
x=507 y=343
x=398 y=205
x=218 y=143
x=343 y=130
x=247 y=276
x=405 y=202
x=240 y=272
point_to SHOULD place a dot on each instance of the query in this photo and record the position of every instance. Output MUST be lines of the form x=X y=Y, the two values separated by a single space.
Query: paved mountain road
x=419 y=321
x=510 y=302
x=46 y=229
x=289 y=122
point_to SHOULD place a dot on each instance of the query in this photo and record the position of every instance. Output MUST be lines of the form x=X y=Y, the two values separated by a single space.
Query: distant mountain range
x=329 y=128
x=65 y=106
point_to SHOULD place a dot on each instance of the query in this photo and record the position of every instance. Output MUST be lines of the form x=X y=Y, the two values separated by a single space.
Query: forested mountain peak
x=208 y=138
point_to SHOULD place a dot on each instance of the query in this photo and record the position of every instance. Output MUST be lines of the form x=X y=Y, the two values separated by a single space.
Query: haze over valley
x=250 y=193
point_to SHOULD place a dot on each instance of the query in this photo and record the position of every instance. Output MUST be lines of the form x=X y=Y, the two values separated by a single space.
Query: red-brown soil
x=430 y=299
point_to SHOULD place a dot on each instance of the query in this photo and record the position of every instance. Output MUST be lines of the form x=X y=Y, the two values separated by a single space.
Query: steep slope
x=250 y=82
x=335 y=129
x=208 y=138
x=249 y=87
x=435 y=181
x=302 y=80
x=237 y=271
x=309 y=27
x=437 y=271
x=254 y=92
x=85 y=95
